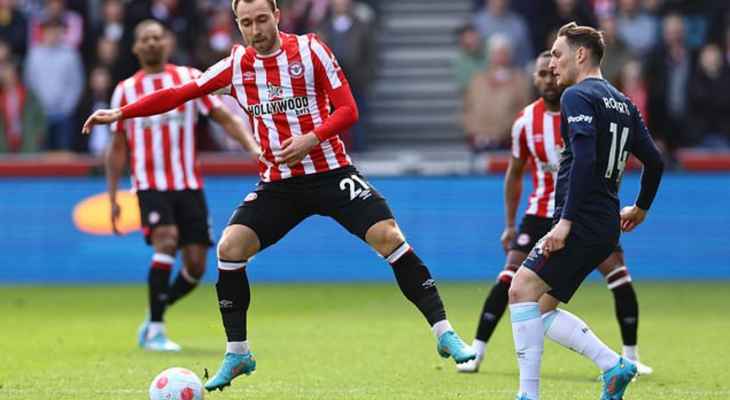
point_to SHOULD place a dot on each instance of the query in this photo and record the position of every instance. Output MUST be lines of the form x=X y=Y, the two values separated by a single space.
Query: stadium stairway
x=415 y=101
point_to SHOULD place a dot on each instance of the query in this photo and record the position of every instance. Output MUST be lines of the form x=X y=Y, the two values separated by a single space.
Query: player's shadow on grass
x=574 y=377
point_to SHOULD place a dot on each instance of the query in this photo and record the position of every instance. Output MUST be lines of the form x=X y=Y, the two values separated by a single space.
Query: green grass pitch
x=345 y=341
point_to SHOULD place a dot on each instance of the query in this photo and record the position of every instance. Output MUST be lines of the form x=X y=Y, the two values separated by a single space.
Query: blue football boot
x=616 y=379
x=233 y=366
x=451 y=345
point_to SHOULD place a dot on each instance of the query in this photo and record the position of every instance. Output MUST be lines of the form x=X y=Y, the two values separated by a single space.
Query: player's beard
x=264 y=44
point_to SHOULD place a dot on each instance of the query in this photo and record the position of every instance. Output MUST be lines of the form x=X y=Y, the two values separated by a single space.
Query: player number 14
x=617 y=156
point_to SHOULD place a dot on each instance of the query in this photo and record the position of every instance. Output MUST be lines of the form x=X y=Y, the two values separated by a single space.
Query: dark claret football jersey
x=600 y=127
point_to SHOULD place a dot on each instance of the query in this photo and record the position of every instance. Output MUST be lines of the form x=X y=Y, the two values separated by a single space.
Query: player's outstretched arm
x=235 y=128
x=157 y=102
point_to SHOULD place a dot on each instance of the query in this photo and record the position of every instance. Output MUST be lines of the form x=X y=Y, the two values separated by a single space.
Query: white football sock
x=440 y=327
x=527 y=331
x=571 y=332
x=631 y=352
x=154 y=328
x=479 y=347
x=238 y=347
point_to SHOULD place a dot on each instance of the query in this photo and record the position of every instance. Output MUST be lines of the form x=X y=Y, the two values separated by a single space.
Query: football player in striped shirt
x=298 y=101
x=536 y=139
x=166 y=176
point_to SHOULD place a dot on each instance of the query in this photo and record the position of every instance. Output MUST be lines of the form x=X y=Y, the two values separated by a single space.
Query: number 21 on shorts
x=356 y=185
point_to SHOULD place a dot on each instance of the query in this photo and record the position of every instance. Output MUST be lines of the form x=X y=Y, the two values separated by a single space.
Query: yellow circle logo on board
x=93 y=214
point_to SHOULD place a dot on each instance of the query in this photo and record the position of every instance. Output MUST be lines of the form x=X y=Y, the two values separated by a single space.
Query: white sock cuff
x=520 y=312
x=441 y=327
x=163 y=258
x=231 y=265
x=238 y=347
x=186 y=275
x=398 y=253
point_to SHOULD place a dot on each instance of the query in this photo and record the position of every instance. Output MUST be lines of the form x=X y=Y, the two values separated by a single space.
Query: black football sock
x=234 y=297
x=158 y=282
x=627 y=312
x=492 y=311
x=183 y=284
x=416 y=283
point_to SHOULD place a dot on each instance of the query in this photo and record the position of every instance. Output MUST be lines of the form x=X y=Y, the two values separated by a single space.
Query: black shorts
x=274 y=208
x=185 y=209
x=531 y=230
x=566 y=269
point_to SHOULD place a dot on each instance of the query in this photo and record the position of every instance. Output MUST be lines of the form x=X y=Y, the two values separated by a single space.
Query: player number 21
x=352 y=183
x=617 y=156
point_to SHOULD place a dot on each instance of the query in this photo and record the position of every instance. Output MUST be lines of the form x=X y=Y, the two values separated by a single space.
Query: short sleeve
x=579 y=113
x=519 y=140
x=326 y=65
x=118 y=101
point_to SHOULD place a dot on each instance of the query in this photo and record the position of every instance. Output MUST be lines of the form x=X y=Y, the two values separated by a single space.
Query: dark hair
x=144 y=24
x=545 y=54
x=586 y=37
x=234 y=4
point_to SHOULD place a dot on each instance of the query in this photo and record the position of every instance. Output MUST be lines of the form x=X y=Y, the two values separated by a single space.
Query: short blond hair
x=234 y=4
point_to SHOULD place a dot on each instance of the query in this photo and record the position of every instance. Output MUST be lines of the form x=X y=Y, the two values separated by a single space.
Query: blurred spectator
x=494 y=97
x=97 y=96
x=308 y=15
x=107 y=55
x=219 y=40
x=181 y=17
x=21 y=116
x=636 y=28
x=56 y=10
x=571 y=10
x=352 y=40
x=632 y=84
x=497 y=18
x=13 y=28
x=616 y=53
x=472 y=56
x=55 y=74
x=710 y=99
x=667 y=73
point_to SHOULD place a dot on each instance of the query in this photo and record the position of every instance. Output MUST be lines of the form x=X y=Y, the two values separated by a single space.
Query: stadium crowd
x=61 y=59
x=671 y=57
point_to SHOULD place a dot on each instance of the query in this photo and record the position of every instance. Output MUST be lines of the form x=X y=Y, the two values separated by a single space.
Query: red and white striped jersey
x=536 y=137
x=285 y=94
x=162 y=153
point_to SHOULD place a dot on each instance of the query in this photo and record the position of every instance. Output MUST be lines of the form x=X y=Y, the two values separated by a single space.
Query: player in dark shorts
x=287 y=84
x=601 y=128
x=536 y=140
x=166 y=177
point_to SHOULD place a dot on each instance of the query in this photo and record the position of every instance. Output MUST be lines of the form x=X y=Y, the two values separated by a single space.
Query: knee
x=237 y=244
x=229 y=249
x=522 y=289
x=165 y=240
x=385 y=237
x=195 y=267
